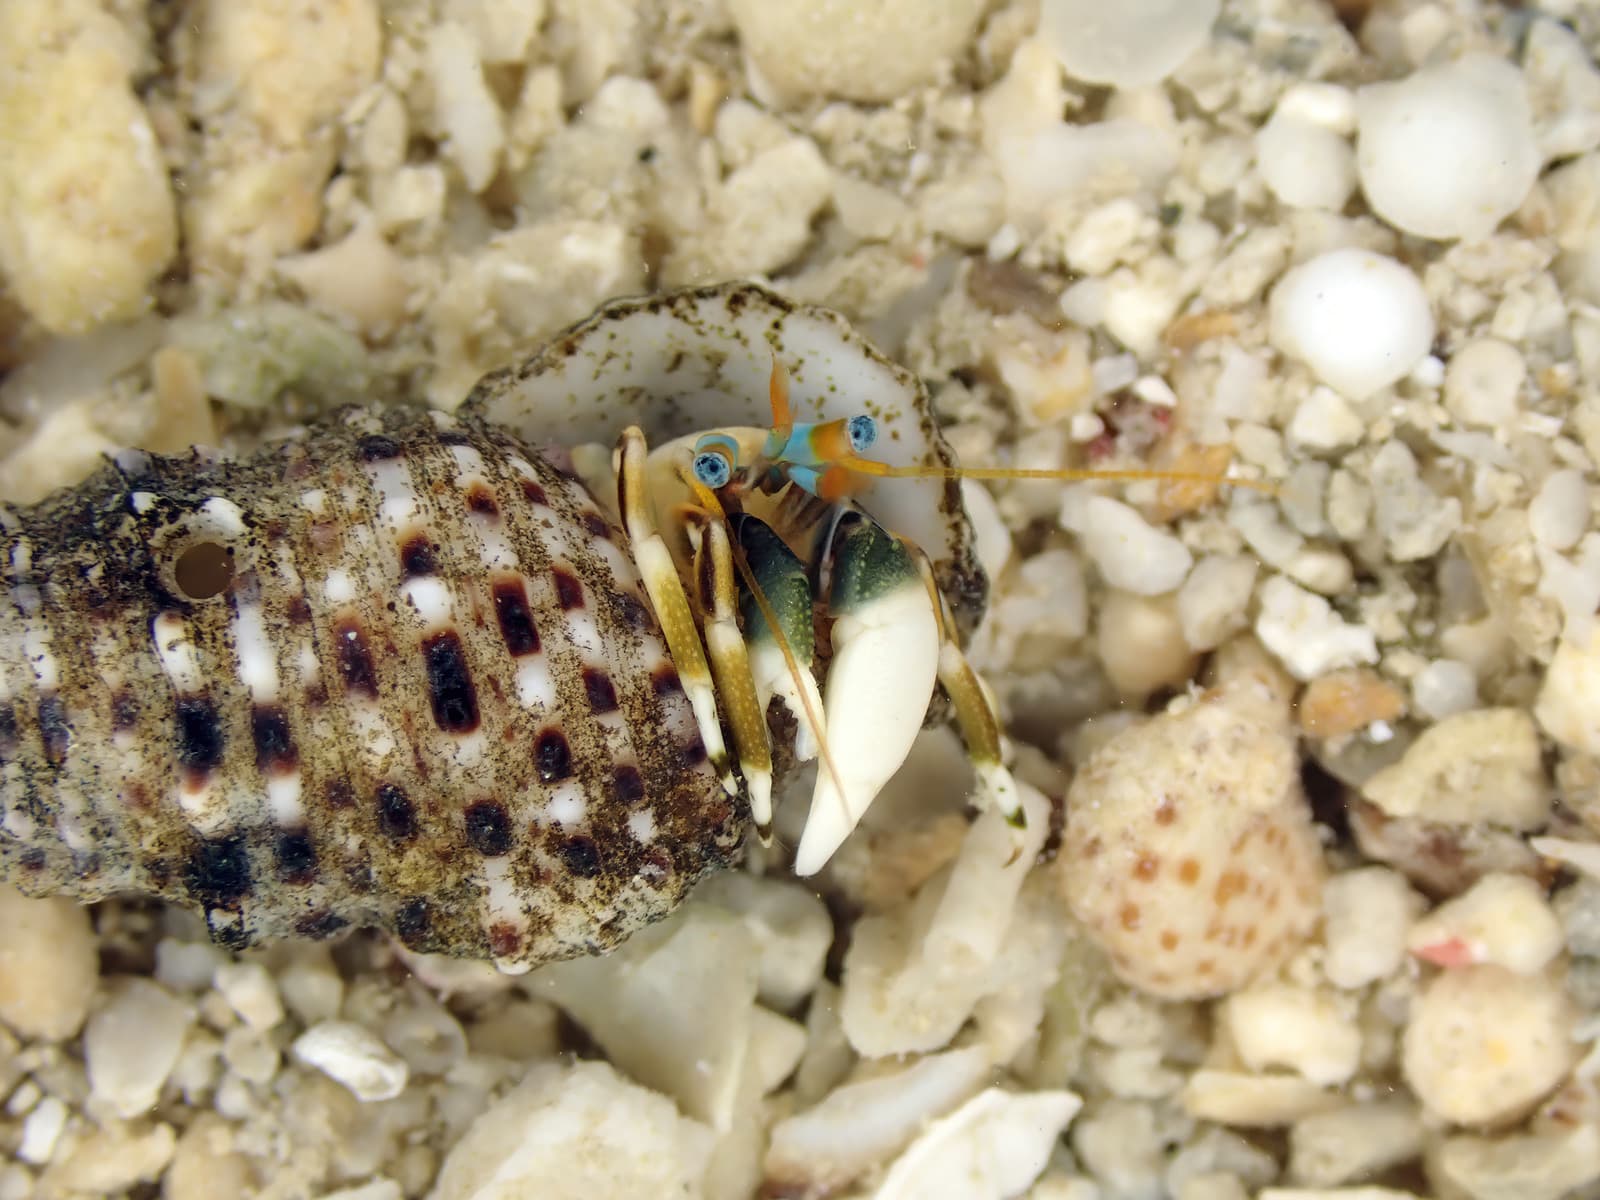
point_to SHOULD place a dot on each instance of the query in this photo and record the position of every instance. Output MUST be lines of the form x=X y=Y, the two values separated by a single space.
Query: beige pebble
x=1476 y=767
x=49 y=965
x=1482 y=382
x=1343 y=702
x=1280 y=1025
x=1214 y=601
x=110 y=1161
x=132 y=1044
x=87 y=219
x=576 y=1130
x=250 y=992
x=1539 y=1166
x=312 y=988
x=1178 y=497
x=1502 y=919
x=1258 y=1101
x=1357 y=1141
x=359 y=279
x=205 y=1164
x=1367 y=916
x=1484 y=1044
x=1141 y=645
x=849 y=50
x=1568 y=708
x=183 y=410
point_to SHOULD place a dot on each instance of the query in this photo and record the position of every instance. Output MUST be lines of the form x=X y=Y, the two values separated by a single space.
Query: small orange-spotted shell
x=399 y=673
x=1189 y=853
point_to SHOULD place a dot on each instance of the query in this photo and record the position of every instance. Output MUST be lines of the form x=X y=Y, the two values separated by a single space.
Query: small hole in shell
x=203 y=570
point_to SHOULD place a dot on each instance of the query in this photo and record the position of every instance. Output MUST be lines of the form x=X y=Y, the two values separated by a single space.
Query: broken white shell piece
x=914 y=975
x=885 y=663
x=354 y=1056
x=673 y=1007
x=993 y=1146
x=859 y=1125
x=571 y=1130
x=791 y=927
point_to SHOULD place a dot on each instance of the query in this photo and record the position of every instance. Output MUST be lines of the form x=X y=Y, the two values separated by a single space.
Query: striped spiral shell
x=398 y=673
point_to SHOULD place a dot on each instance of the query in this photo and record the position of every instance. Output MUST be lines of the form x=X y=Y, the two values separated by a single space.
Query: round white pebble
x=1305 y=165
x=1131 y=44
x=1359 y=320
x=353 y=1055
x=1448 y=152
x=1482 y=381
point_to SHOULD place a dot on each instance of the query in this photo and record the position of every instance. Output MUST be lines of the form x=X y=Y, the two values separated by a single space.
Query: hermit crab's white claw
x=885 y=663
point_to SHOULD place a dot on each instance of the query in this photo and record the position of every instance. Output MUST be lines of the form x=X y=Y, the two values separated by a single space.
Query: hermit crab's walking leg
x=666 y=594
x=730 y=661
x=975 y=714
x=885 y=662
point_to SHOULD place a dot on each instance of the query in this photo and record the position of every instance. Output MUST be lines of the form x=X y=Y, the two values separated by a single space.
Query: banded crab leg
x=730 y=659
x=975 y=713
x=666 y=594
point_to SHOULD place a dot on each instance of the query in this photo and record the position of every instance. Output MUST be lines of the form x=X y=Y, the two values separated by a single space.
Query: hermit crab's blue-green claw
x=885 y=663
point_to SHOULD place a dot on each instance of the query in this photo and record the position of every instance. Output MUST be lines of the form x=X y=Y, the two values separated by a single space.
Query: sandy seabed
x=1311 y=891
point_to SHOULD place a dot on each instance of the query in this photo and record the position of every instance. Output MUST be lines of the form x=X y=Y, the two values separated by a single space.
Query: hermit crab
x=506 y=682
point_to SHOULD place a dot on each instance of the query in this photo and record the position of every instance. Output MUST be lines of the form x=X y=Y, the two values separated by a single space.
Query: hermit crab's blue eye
x=711 y=468
x=716 y=457
x=863 y=432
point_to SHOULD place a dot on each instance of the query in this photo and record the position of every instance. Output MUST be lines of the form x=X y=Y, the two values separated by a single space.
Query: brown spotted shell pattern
x=400 y=673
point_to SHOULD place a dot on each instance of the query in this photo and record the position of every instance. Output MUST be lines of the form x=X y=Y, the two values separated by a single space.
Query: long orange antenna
x=867 y=466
